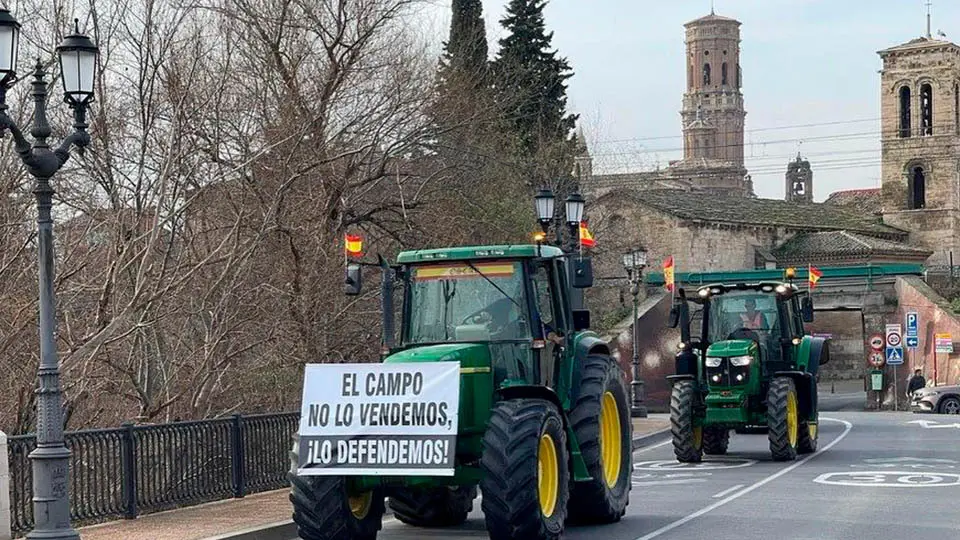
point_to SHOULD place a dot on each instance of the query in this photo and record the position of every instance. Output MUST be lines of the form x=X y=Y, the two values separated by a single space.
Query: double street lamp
x=78 y=59
x=634 y=262
x=573 y=206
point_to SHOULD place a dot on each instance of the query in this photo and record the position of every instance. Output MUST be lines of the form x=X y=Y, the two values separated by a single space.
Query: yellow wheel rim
x=792 y=422
x=548 y=475
x=813 y=431
x=360 y=504
x=697 y=436
x=610 y=442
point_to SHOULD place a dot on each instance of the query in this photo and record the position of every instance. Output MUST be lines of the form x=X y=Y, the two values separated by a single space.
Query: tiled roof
x=833 y=244
x=919 y=43
x=729 y=208
x=868 y=199
x=713 y=17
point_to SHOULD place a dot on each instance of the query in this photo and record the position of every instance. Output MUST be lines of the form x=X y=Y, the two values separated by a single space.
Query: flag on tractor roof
x=668 y=268
x=586 y=239
x=354 y=245
x=814 y=276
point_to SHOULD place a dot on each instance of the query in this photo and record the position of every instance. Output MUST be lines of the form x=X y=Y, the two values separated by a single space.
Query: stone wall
x=847 y=344
x=4 y=490
x=935 y=317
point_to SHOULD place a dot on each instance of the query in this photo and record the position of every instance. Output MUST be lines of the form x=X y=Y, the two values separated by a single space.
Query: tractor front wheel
x=432 y=507
x=715 y=440
x=526 y=471
x=684 y=425
x=807 y=437
x=601 y=421
x=324 y=508
x=783 y=419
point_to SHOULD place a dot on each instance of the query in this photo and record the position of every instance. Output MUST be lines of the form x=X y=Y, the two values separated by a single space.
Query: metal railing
x=133 y=470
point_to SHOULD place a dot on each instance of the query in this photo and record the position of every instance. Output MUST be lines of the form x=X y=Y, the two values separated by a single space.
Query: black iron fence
x=133 y=470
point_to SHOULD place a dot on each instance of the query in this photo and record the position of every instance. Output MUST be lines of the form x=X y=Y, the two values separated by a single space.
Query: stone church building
x=703 y=211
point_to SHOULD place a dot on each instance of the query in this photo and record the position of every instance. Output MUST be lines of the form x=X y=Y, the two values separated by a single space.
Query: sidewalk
x=254 y=516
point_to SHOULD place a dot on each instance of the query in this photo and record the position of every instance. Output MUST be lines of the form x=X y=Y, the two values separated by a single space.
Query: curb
x=285 y=530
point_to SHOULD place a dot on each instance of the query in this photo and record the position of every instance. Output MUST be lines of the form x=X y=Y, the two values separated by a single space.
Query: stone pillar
x=4 y=490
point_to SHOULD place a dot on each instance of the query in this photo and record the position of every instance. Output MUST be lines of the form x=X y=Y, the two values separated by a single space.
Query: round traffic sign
x=876 y=342
x=876 y=359
x=893 y=339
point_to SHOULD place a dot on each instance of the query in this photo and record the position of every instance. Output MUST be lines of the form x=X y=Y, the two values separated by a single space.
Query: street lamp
x=634 y=262
x=78 y=60
x=545 y=202
x=574 y=210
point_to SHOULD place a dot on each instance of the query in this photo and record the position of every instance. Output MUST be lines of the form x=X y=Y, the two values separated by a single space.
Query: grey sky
x=804 y=62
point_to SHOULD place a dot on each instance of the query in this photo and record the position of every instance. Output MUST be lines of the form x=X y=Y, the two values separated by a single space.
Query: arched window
x=739 y=77
x=917 y=184
x=904 y=111
x=926 y=110
x=723 y=74
x=706 y=73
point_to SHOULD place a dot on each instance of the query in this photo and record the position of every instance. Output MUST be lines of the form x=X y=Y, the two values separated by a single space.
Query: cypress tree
x=465 y=52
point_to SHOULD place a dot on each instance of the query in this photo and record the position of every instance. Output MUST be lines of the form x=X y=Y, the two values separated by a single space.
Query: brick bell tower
x=920 y=142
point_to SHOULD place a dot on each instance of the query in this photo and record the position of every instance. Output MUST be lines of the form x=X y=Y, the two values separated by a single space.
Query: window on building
x=918 y=188
x=723 y=74
x=739 y=77
x=905 y=111
x=926 y=110
x=706 y=73
x=690 y=76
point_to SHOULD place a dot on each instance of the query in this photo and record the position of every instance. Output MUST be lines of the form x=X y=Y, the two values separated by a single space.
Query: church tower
x=920 y=142
x=713 y=112
x=799 y=178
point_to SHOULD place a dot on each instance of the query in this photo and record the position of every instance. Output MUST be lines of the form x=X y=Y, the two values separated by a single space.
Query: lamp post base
x=637 y=408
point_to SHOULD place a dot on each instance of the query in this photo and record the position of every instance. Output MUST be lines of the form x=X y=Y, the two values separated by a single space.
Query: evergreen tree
x=530 y=83
x=465 y=52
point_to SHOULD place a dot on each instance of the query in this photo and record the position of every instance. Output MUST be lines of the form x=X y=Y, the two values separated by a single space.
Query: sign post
x=895 y=357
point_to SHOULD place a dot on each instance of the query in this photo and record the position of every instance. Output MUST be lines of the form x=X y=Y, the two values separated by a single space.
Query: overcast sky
x=805 y=63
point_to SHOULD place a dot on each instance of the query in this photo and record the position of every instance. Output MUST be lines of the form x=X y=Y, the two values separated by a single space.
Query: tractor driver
x=753 y=319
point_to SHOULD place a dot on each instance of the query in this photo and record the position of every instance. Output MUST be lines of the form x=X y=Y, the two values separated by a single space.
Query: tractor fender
x=533 y=391
x=681 y=377
x=819 y=354
x=584 y=346
x=806 y=391
x=685 y=363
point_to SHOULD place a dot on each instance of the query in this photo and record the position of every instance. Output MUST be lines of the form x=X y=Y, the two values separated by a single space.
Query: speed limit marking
x=899 y=479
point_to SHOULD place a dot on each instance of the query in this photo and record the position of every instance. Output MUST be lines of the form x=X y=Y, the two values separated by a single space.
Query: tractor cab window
x=462 y=302
x=745 y=315
x=544 y=299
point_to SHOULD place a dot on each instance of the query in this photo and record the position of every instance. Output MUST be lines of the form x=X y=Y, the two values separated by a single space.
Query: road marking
x=708 y=465
x=897 y=479
x=933 y=424
x=648 y=448
x=669 y=482
x=726 y=491
x=671 y=526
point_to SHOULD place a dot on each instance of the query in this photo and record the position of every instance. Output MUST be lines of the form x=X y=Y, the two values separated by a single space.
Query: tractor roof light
x=703 y=293
x=796 y=341
x=767 y=288
x=681 y=345
x=791 y=273
x=781 y=289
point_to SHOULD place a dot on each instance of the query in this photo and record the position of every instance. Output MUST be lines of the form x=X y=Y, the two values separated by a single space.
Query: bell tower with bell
x=799 y=177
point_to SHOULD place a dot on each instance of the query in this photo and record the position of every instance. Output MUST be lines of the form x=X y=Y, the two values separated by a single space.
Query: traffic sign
x=894 y=356
x=894 y=334
x=876 y=359
x=913 y=324
x=944 y=343
x=876 y=342
x=912 y=342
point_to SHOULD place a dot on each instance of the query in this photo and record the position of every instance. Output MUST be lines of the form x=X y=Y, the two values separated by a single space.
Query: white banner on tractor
x=379 y=419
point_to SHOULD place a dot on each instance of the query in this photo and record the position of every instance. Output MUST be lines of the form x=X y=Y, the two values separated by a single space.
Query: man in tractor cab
x=751 y=318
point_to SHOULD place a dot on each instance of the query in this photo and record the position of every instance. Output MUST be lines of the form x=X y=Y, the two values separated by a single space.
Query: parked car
x=936 y=399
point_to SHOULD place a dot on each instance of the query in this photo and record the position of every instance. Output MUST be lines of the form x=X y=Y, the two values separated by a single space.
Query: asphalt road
x=877 y=476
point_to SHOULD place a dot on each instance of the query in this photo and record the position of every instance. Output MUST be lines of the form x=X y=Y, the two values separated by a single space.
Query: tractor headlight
x=713 y=361
x=741 y=360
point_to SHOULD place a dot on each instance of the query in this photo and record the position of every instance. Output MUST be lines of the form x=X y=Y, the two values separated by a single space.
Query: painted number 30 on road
x=889 y=479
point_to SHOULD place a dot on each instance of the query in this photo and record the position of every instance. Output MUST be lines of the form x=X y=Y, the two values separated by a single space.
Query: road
x=877 y=475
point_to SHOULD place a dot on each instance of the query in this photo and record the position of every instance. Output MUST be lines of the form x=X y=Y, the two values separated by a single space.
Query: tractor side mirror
x=582 y=270
x=806 y=309
x=581 y=319
x=352 y=282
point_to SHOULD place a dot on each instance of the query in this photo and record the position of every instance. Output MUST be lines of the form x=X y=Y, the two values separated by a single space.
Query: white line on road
x=670 y=526
x=726 y=491
x=668 y=482
x=648 y=448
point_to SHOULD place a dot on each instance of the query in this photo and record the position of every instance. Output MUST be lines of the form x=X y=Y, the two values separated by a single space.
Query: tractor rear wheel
x=715 y=440
x=601 y=421
x=325 y=509
x=434 y=506
x=807 y=437
x=783 y=420
x=684 y=426
x=526 y=471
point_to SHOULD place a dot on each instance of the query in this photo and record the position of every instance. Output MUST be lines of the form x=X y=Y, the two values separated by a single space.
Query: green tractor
x=544 y=427
x=753 y=368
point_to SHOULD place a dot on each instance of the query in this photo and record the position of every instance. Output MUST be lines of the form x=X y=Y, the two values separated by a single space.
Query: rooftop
x=712 y=17
x=844 y=244
x=734 y=209
x=478 y=252
x=862 y=198
x=922 y=42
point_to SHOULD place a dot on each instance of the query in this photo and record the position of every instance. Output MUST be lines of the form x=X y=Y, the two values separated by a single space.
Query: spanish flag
x=668 y=267
x=586 y=239
x=814 y=276
x=353 y=244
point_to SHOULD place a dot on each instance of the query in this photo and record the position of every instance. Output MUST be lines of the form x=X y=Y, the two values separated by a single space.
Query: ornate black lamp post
x=78 y=59
x=634 y=262
x=573 y=206
x=574 y=209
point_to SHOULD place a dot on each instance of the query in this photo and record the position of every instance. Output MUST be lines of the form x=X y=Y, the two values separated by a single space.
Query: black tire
x=781 y=415
x=322 y=510
x=715 y=440
x=432 y=507
x=511 y=482
x=807 y=438
x=949 y=405
x=597 y=501
x=687 y=436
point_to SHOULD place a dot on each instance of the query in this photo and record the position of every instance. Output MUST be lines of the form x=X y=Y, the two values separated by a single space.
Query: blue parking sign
x=894 y=356
x=913 y=323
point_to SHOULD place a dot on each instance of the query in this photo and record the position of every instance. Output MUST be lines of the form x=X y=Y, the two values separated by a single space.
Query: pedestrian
x=915 y=382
